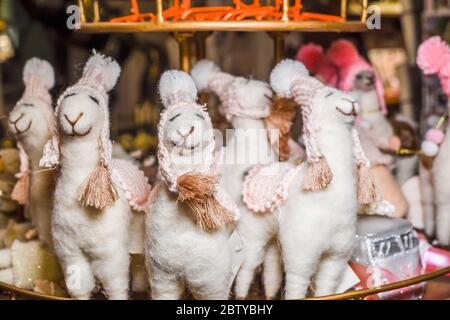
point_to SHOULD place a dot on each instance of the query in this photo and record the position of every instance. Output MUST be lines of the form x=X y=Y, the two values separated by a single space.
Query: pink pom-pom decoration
x=432 y=55
x=310 y=55
x=435 y=135
x=342 y=52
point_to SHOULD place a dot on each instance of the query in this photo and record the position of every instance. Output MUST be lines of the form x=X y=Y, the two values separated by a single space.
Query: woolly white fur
x=317 y=229
x=33 y=114
x=179 y=254
x=435 y=189
x=203 y=72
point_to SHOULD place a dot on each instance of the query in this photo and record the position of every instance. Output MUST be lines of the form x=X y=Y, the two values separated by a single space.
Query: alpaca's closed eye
x=28 y=105
x=329 y=94
x=200 y=116
x=93 y=99
x=174 y=117
x=69 y=95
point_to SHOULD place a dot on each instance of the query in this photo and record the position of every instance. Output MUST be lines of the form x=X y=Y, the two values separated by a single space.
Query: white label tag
x=237 y=255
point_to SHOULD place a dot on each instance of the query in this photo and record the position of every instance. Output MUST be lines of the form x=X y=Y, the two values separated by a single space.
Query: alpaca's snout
x=18 y=123
x=349 y=108
x=186 y=132
x=71 y=128
x=73 y=122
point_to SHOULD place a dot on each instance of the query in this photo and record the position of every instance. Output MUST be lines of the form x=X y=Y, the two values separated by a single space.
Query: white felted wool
x=33 y=122
x=317 y=228
x=92 y=235
x=246 y=102
x=179 y=251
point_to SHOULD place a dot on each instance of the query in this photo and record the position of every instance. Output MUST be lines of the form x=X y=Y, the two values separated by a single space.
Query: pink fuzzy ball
x=435 y=135
x=432 y=54
x=310 y=55
x=342 y=52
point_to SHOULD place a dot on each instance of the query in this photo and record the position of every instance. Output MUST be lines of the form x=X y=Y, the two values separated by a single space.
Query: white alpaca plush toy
x=187 y=241
x=433 y=57
x=317 y=224
x=96 y=196
x=32 y=121
x=247 y=104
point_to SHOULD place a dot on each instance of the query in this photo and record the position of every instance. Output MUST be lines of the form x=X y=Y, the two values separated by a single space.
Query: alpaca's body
x=182 y=255
x=42 y=185
x=436 y=194
x=258 y=230
x=317 y=229
x=89 y=243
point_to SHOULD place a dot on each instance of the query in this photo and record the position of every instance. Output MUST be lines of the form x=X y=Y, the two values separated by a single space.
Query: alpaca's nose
x=73 y=122
x=186 y=132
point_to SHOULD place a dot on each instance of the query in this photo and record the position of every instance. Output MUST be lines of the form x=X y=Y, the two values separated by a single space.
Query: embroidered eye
x=28 y=105
x=69 y=95
x=329 y=94
x=174 y=117
x=93 y=99
x=200 y=116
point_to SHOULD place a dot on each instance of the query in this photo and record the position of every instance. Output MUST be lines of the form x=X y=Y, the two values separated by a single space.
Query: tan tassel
x=281 y=116
x=318 y=175
x=98 y=189
x=367 y=190
x=197 y=191
x=21 y=189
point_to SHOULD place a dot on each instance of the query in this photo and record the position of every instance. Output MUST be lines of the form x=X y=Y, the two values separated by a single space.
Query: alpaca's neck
x=336 y=143
x=80 y=155
x=33 y=145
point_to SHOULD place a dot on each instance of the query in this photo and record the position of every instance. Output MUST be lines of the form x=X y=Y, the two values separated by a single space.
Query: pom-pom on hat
x=433 y=57
x=239 y=96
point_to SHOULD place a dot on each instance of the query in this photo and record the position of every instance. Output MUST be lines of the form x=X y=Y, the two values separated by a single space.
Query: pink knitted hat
x=39 y=78
x=100 y=75
x=238 y=95
x=339 y=66
x=211 y=206
x=433 y=57
x=290 y=79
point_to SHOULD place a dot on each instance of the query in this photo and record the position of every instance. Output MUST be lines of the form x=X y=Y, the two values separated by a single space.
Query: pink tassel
x=367 y=190
x=318 y=175
x=21 y=189
x=98 y=189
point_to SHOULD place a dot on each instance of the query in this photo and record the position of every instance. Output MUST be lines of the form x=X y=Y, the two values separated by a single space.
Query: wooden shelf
x=245 y=25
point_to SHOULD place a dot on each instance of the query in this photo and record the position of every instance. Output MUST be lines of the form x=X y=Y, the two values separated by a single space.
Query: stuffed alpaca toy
x=433 y=57
x=96 y=197
x=32 y=122
x=249 y=105
x=318 y=199
x=187 y=240
x=342 y=67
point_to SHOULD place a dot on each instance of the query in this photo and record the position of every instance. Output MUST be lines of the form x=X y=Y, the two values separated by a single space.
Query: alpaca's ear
x=109 y=69
x=284 y=74
x=176 y=86
x=203 y=73
x=36 y=67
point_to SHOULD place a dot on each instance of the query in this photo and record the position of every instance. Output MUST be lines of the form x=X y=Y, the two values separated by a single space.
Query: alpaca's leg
x=165 y=286
x=273 y=270
x=427 y=195
x=329 y=273
x=254 y=255
x=139 y=282
x=443 y=223
x=7 y=276
x=78 y=275
x=112 y=270
x=5 y=258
